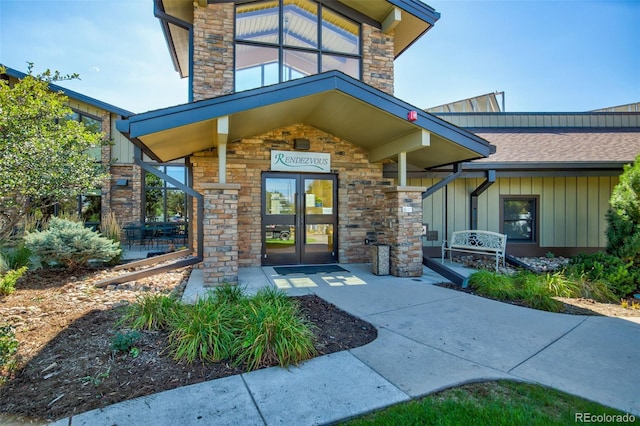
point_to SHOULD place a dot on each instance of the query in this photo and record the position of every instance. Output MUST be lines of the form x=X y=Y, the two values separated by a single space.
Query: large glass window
x=519 y=218
x=281 y=40
x=163 y=201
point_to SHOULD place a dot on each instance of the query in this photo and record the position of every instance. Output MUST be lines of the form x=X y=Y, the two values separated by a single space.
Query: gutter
x=165 y=20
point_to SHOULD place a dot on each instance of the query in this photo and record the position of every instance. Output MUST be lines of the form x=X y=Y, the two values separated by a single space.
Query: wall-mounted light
x=302 y=144
x=122 y=182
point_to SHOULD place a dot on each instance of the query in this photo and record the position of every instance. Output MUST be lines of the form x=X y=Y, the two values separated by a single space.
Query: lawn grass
x=493 y=403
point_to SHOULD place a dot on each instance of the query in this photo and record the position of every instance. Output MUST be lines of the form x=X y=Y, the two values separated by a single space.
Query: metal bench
x=477 y=242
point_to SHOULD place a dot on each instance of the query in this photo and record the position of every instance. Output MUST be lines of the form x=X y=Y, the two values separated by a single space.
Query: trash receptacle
x=380 y=259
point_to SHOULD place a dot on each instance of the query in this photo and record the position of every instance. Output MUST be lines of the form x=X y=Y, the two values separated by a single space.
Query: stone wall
x=404 y=230
x=221 y=233
x=360 y=198
x=125 y=201
x=377 y=59
x=213 y=56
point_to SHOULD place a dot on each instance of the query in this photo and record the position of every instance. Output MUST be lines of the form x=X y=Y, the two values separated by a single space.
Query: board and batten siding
x=571 y=210
x=122 y=150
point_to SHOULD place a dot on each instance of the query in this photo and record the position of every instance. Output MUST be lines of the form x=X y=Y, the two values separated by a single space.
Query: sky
x=547 y=56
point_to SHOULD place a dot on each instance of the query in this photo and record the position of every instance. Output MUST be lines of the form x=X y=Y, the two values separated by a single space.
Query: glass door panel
x=299 y=228
x=279 y=221
x=319 y=219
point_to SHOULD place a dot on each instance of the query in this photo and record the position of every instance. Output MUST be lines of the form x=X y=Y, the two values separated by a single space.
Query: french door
x=299 y=218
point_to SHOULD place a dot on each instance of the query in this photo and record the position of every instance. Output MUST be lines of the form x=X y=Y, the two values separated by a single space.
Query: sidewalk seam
x=447 y=353
x=408 y=306
x=246 y=386
x=547 y=346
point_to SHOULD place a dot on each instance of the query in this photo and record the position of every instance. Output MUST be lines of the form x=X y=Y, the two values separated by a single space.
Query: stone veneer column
x=404 y=230
x=220 y=231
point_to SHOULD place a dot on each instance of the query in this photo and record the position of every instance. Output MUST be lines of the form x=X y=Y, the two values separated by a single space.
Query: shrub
x=227 y=325
x=9 y=279
x=152 y=312
x=623 y=219
x=559 y=285
x=623 y=278
x=110 y=229
x=15 y=258
x=274 y=331
x=8 y=348
x=537 y=295
x=492 y=284
x=205 y=331
x=125 y=342
x=70 y=244
x=229 y=294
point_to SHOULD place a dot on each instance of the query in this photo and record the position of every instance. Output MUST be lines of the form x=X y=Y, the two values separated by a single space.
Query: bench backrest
x=482 y=240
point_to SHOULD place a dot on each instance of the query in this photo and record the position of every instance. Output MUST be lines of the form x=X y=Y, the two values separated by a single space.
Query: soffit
x=332 y=103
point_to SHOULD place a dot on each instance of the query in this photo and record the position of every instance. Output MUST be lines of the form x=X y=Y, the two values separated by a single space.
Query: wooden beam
x=222 y=129
x=411 y=142
x=402 y=169
x=391 y=20
x=221 y=137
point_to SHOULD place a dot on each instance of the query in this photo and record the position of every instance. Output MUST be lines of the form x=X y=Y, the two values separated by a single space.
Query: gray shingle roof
x=561 y=146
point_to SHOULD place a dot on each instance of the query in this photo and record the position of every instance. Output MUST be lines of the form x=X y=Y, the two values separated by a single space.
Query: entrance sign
x=292 y=161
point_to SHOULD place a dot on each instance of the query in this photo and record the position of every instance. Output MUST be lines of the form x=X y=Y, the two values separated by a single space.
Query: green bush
x=125 y=342
x=274 y=331
x=227 y=325
x=524 y=286
x=492 y=284
x=8 y=348
x=205 y=331
x=623 y=278
x=70 y=244
x=152 y=312
x=9 y=279
x=623 y=219
x=537 y=295
x=14 y=258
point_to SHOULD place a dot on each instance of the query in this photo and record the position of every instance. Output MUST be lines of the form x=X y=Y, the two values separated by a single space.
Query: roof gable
x=332 y=102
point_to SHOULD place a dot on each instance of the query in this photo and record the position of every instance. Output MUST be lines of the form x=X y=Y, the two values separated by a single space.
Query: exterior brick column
x=220 y=230
x=404 y=229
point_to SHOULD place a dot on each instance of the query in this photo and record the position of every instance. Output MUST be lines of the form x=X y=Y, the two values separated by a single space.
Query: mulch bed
x=69 y=367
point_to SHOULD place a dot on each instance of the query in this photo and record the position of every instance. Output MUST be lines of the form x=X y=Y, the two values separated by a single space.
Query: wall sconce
x=122 y=182
x=301 y=144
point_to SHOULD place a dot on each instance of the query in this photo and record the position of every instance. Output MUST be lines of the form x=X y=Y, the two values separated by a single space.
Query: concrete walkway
x=429 y=338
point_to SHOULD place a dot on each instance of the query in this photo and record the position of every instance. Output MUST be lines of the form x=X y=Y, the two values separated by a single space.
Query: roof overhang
x=332 y=102
x=19 y=75
x=408 y=19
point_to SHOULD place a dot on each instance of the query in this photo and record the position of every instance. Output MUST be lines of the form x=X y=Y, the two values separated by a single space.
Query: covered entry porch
x=229 y=143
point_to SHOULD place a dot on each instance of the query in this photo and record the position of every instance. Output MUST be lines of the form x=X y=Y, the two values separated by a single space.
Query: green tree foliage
x=70 y=244
x=623 y=219
x=44 y=156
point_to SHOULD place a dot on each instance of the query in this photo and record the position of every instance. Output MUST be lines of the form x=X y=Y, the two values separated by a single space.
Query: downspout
x=187 y=189
x=491 y=178
x=165 y=20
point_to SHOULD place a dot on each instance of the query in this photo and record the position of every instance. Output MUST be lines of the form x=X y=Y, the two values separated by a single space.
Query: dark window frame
x=535 y=221
x=319 y=51
x=165 y=189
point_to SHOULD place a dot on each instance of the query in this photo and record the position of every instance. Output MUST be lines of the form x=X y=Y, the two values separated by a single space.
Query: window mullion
x=319 y=36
